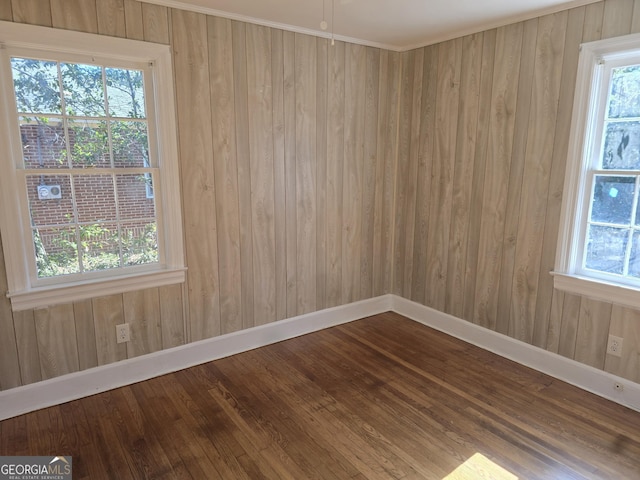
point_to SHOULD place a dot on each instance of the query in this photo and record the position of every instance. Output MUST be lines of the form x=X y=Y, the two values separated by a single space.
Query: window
x=599 y=244
x=90 y=201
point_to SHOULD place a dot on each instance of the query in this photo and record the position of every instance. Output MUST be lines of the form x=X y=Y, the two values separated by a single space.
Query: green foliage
x=624 y=101
x=36 y=86
x=99 y=249
x=39 y=91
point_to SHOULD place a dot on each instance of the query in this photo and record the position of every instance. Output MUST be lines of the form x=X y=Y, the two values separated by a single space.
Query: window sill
x=66 y=293
x=597 y=289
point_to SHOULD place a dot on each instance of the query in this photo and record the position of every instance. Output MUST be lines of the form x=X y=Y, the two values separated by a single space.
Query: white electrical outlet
x=614 y=346
x=122 y=333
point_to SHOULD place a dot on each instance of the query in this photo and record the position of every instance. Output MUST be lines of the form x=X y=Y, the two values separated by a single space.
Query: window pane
x=50 y=201
x=606 y=247
x=100 y=246
x=36 y=85
x=613 y=199
x=43 y=142
x=624 y=101
x=56 y=251
x=125 y=92
x=89 y=142
x=139 y=243
x=130 y=144
x=634 y=259
x=83 y=90
x=133 y=197
x=621 y=146
x=95 y=198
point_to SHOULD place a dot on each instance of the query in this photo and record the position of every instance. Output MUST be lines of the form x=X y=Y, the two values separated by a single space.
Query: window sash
x=22 y=173
x=22 y=41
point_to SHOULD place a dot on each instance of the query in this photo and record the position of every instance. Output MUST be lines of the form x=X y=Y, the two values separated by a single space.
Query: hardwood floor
x=378 y=398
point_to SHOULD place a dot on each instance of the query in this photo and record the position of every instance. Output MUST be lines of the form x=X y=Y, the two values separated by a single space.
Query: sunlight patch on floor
x=480 y=467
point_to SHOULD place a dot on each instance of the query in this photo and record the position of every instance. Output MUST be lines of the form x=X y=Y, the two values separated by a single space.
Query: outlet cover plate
x=122 y=333
x=614 y=346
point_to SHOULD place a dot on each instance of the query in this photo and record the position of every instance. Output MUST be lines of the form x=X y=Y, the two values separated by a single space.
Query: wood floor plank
x=378 y=398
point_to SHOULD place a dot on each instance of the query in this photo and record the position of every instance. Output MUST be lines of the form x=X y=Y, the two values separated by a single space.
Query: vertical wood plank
x=198 y=183
x=107 y=313
x=34 y=12
x=593 y=17
x=305 y=90
x=85 y=334
x=261 y=172
x=555 y=321
x=372 y=79
x=496 y=176
x=133 y=20
x=355 y=70
x=390 y=150
x=593 y=330
x=625 y=323
x=110 y=17
x=539 y=155
x=463 y=172
x=635 y=19
x=569 y=326
x=280 y=200
x=57 y=343
x=6 y=12
x=244 y=172
x=335 y=179
x=399 y=216
x=9 y=364
x=544 y=298
x=171 y=316
x=479 y=166
x=289 y=42
x=516 y=173
x=27 y=341
x=411 y=183
x=226 y=170
x=322 y=77
x=449 y=64
x=142 y=313
x=155 y=20
x=80 y=15
x=617 y=18
x=425 y=159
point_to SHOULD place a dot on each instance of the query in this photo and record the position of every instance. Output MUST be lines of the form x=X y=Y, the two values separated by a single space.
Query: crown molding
x=184 y=5
x=180 y=5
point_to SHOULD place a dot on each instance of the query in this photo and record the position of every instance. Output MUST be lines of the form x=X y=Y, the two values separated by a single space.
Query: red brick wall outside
x=44 y=146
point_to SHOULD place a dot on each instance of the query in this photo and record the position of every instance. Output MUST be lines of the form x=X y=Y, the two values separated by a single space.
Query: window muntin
x=86 y=123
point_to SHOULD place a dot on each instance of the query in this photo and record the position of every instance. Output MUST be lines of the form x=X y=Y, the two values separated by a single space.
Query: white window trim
x=566 y=276
x=22 y=293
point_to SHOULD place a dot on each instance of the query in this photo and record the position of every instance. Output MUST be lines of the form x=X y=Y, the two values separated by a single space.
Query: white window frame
x=596 y=58
x=24 y=292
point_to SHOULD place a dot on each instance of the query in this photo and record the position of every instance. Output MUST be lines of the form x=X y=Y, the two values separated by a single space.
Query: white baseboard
x=65 y=388
x=20 y=400
x=578 y=374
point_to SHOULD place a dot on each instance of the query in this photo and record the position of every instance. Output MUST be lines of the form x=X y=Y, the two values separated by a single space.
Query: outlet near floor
x=122 y=333
x=614 y=346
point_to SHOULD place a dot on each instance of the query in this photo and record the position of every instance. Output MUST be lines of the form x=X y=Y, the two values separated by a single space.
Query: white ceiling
x=393 y=24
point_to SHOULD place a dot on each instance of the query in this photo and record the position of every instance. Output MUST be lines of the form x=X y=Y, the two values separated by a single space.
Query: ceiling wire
x=323 y=23
x=333 y=18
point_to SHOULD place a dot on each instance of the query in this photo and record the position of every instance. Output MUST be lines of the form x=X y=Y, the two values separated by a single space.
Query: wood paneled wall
x=315 y=176
x=287 y=159
x=484 y=125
